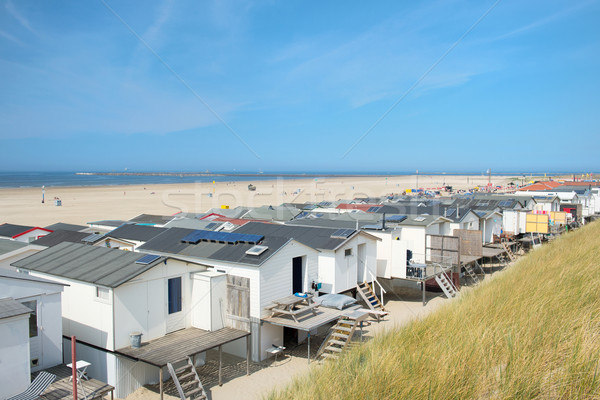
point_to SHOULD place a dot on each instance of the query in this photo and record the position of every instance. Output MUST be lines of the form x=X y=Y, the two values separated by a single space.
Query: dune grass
x=531 y=332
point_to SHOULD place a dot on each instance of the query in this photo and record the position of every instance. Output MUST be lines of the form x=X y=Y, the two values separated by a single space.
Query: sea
x=61 y=179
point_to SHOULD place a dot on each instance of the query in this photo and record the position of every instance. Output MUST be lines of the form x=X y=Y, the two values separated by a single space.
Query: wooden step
x=339 y=342
x=189 y=384
x=342 y=328
x=191 y=393
x=186 y=376
x=186 y=367
x=332 y=348
x=340 y=335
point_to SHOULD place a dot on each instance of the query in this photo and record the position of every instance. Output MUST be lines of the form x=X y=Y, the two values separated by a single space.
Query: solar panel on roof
x=302 y=215
x=505 y=203
x=342 y=233
x=395 y=218
x=147 y=259
x=450 y=212
x=324 y=204
x=92 y=238
x=224 y=237
x=373 y=209
x=213 y=225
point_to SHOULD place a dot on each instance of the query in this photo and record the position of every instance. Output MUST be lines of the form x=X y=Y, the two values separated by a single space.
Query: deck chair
x=37 y=387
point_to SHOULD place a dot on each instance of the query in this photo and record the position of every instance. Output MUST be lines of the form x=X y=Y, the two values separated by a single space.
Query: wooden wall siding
x=238 y=303
x=471 y=242
x=440 y=248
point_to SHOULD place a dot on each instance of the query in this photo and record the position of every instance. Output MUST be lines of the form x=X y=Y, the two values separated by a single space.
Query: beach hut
x=14 y=331
x=259 y=269
x=43 y=298
x=22 y=233
x=115 y=296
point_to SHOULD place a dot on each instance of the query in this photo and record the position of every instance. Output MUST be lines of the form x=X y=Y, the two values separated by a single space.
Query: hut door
x=297 y=275
x=35 y=340
x=238 y=302
x=175 y=316
x=361 y=271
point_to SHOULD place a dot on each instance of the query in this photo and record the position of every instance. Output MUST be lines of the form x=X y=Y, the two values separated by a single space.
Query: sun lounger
x=37 y=387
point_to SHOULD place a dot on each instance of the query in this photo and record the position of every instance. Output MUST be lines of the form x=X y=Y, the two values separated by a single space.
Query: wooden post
x=309 y=347
x=248 y=355
x=160 y=383
x=74 y=365
x=220 y=365
x=423 y=283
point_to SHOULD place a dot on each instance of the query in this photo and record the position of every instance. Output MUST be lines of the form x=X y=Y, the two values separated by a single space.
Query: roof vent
x=256 y=250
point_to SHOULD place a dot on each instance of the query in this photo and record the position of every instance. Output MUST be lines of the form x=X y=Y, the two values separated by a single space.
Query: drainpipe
x=383 y=223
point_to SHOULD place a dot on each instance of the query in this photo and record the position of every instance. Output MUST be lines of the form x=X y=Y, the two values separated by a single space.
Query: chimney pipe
x=383 y=222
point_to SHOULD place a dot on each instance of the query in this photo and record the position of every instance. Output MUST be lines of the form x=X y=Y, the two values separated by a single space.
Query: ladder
x=480 y=267
x=471 y=273
x=370 y=298
x=187 y=381
x=338 y=339
x=511 y=255
x=446 y=285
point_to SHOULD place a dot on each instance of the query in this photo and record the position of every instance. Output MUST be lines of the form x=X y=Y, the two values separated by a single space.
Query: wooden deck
x=310 y=321
x=179 y=345
x=62 y=388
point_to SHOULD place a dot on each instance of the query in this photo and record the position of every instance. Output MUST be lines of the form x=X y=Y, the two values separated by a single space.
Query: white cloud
x=10 y=7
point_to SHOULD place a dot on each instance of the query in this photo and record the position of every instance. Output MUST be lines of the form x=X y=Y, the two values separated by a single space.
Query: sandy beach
x=84 y=204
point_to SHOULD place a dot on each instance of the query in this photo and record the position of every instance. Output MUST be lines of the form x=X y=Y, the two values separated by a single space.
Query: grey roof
x=431 y=208
x=109 y=222
x=422 y=220
x=271 y=213
x=7 y=245
x=345 y=220
x=236 y=212
x=328 y=223
x=141 y=233
x=169 y=242
x=12 y=308
x=92 y=264
x=193 y=223
x=10 y=230
x=66 y=227
x=317 y=238
x=59 y=236
x=10 y=274
x=150 y=219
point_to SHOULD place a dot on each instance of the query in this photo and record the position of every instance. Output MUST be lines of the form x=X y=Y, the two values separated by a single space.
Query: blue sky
x=299 y=86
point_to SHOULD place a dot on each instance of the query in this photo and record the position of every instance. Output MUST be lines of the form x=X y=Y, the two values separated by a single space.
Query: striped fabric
x=37 y=387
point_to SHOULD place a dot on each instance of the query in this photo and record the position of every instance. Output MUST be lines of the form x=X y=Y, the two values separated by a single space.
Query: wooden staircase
x=511 y=255
x=187 y=381
x=366 y=292
x=446 y=285
x=338 y=339
x=471 y=273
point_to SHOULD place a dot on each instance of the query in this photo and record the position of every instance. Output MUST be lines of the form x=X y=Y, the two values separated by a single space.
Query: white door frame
x=176 y=320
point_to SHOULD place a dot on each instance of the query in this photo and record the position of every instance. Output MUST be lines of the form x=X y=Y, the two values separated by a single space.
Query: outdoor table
x=293 y=305
x=81 y=367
